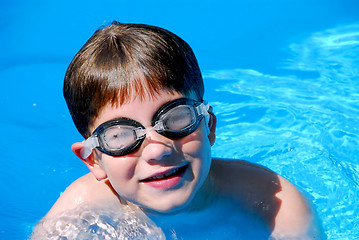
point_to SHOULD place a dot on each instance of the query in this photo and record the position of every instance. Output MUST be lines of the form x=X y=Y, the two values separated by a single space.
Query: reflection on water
x=304 y=124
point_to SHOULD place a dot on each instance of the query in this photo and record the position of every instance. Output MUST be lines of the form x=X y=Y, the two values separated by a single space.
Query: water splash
x=95 y=222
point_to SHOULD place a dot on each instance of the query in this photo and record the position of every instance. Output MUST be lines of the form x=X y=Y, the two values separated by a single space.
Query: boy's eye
x=119 y=137
x=179 y=118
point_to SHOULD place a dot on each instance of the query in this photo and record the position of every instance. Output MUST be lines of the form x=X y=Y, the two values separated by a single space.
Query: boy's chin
x=165 y=210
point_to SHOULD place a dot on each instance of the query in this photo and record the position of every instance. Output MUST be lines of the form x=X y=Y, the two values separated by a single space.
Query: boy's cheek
x=199 y=135
x=196 y=144
x=119 y=167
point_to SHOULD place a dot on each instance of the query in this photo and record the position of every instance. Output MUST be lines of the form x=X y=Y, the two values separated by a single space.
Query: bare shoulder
x=242 y=175
x=281 y=205
x=84 y=189
x=294 y=215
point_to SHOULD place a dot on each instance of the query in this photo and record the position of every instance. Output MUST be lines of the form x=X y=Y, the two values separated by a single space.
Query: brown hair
x=121 y=61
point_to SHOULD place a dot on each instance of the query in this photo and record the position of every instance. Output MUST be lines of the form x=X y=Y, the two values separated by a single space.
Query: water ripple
x=305 y=127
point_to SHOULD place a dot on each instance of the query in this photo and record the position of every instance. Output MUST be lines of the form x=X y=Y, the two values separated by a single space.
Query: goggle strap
x=202 y=109
x=89 y=144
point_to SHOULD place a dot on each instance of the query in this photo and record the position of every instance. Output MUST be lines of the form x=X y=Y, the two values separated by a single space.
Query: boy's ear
x=212 y=126
x=91 y=162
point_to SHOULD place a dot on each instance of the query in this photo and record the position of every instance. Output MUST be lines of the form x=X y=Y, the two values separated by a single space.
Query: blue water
x=282 y=77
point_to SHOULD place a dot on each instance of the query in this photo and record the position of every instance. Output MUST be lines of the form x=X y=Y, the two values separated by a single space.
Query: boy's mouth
x=167 y=175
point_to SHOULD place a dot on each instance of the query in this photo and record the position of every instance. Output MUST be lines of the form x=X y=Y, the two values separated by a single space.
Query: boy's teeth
x=164 y=175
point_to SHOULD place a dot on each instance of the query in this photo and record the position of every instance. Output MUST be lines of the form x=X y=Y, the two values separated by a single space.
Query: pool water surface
x=282 y=77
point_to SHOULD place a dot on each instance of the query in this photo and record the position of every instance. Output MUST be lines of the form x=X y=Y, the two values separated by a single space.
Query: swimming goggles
x=121 y=136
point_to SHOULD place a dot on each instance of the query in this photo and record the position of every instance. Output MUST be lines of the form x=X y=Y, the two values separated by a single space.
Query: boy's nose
x=156 y=147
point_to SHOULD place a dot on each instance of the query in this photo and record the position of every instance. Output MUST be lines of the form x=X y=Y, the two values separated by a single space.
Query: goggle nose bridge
x=141 y=132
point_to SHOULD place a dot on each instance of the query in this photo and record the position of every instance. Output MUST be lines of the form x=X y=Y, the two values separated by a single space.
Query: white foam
x=95 y=222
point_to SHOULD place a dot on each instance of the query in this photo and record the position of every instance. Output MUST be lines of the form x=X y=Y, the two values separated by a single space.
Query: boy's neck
x=204 y=197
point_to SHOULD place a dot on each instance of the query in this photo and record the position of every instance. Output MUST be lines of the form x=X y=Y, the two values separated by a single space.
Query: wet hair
x=121 y=62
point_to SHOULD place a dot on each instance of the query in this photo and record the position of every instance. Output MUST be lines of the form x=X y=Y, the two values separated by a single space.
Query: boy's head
x=125 y=61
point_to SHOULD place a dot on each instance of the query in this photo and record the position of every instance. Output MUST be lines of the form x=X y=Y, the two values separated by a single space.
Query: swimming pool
x=282 y=77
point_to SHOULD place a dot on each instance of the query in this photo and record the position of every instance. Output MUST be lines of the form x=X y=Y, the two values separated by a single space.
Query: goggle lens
x=118 y=137
x=179 y=118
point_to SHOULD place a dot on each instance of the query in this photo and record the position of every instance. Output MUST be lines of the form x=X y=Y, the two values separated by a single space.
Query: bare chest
x=218 y=222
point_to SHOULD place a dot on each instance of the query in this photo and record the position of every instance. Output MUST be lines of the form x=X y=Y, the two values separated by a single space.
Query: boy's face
x=163 y=174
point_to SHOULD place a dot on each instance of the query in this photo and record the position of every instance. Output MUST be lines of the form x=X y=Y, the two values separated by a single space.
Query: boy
x=135 y=94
